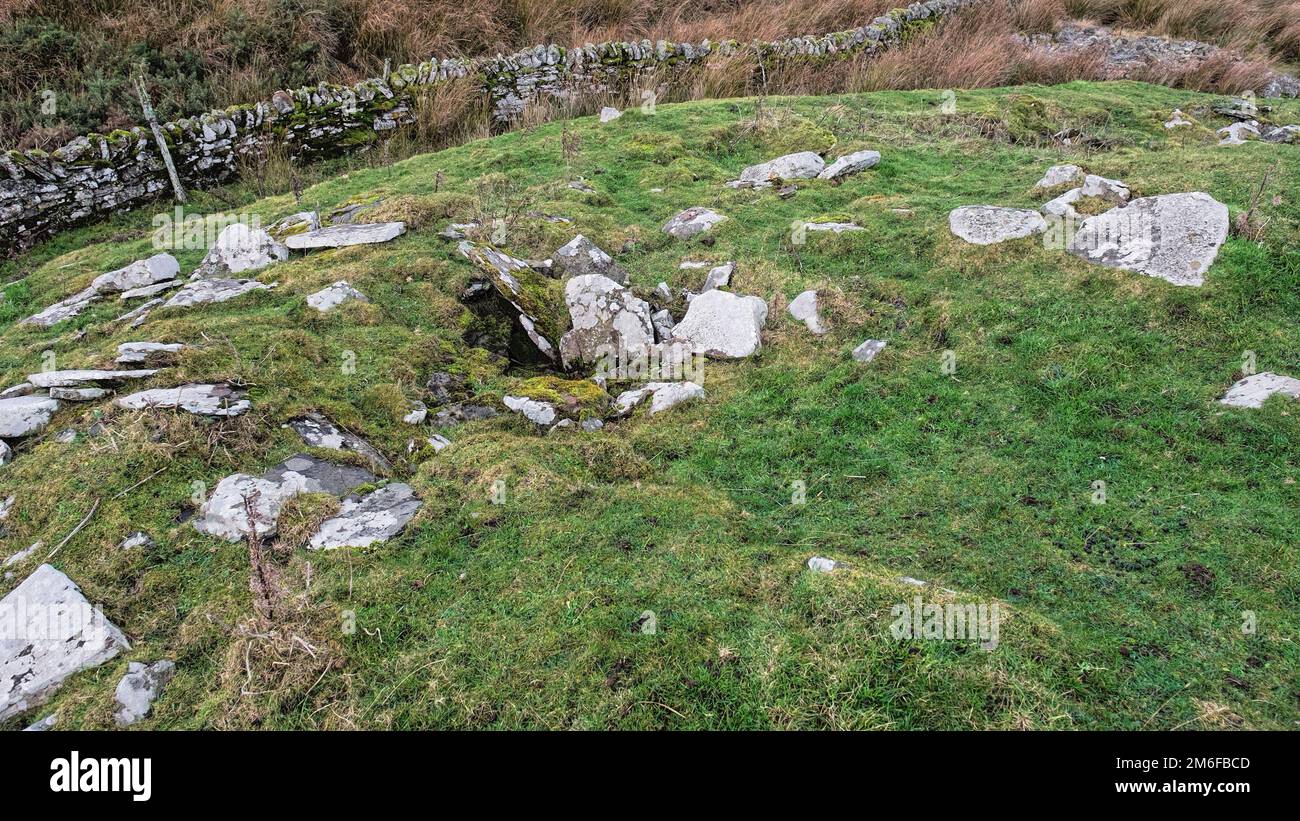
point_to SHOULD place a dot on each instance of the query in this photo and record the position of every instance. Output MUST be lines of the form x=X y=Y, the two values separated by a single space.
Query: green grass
x=521 y=615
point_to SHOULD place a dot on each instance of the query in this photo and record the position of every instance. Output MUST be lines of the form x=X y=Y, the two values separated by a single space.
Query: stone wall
x=97 y=175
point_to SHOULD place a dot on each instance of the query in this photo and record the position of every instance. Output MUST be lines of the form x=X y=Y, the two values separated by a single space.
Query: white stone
x=63 y=379
x=139 y=274
x=376 y=517
x=719 y=276
x=1060 y=175
x=804 y=309
x=24 y=554
x=1177 y=120
x=241 y=505
x=334 y=295
x=868 y=350
x=1174 y=237
x=339 y=236
x=133 y=353
x=606 y=317
x=1063 y=205
x=319 y=432
x=850 y=164
x=207 y=291
x=535 y=411
x=1113 y=191
x=1238 y=133
x=137 y=538
x=821 y=564
x=52 y=632
x=802 y=165
x=238 y=249
x=25 y=415
x=6 y=453
x=723 y=324
x=203 y=400
x=988 y=224
x=609 y=114
x=692 y=221
x=78 y=394
x=138 y=689
x=1254 y=390
x=663 y=395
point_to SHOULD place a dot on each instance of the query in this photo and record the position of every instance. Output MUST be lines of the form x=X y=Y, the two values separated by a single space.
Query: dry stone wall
x=97 y=175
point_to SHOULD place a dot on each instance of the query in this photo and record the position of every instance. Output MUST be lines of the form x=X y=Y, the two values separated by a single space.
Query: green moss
x=583 y=392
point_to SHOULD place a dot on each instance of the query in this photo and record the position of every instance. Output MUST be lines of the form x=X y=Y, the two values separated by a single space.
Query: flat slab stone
x=132 y=353
x=1060 y=175
x=606 y=317
x=719 y=276
x=63 y=379
x=376 y=517
x=202 y=400
x=238 y=249
x=692 y=221
x=1174 y=237
x=850 y=164
x=505 y=270
x=137 y=690
x=139 y=274
x=1254 y=390
x=79 y=394
x=988 y=224
x=319 y=432
x=332 y=296
x=24 y=415
x=723 y=324
x=663 y=395
x=51 y=632
x=241 y=505
x=208 y=291
x=868 y=350
x=340 y=236
x=319 y=475
x=802 y=165
x=1104 y=188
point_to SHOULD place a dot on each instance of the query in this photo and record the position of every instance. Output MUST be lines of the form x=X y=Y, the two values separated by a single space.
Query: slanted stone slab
x=1238 y=133
x=298 y=223
x=692 y=221
x=802 y=165
x=1254 y=390
x=329 y=298
x=340 y=236
x=804 y=309
x=831 y=227
x=849 y=165
x=868 y=350
x=25 y=415
x=663 y=395
x=151 y=290
x=580 y=257
x=607 y=318
x=319 y=432
x=201 y=400
x=376 y=517
x=209 y=291
x=989 y=224
x=133 y=353
x=240 y=249
x=723 y=324
x=1174 y=237
x=63 y=379
x=51 y=632
x=139 y=274
x=139 y=688
x=719 y=276
x=6 y=453
x=1113 y=191
x=505 y=271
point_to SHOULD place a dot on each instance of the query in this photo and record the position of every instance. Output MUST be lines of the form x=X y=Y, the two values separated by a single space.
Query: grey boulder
x=850 y=164
x=1254 y=390
x=723 y=324
x=580 y=257
x=240 y=248
x=329 y=298
x=606 y=317
x=318 y=432
x=208 y=291
x=1174 y=237
x=201 y=400
x=802 y=165
x=138 y=689
x=25 y=415
x=988 y=224
x=692 y=221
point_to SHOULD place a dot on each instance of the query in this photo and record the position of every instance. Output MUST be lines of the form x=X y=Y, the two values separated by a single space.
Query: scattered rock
x=25 y=415
x=1063 y=206
x=150 y=290
x=692 y=221
x=580 y=257
x=663 y=324
x=141 y=273
x=66 y=436
x=6 y=453
x=39 y=651
x=137 y=538
x=339 y=236
x=299 y=223
x=804 y=309
x=419 y=411
x=240 y=248
x=1112 y=191
x=1281 y=134
x=140 y=314
x=441 y=385
x=609 y=114
x=24 y=554
x=537 y=412
x=201 y=400
x=868 y=350
x=592 y=424
x=319 y=432
x=133 y=353
x=44 y=724
x=803 y=165
x=719 y=276
x=606 y=318
x=850 y=164
x=333 y=296
x=376 y=517
x=1238 y=133
x=1059 y=175
x=988 y=224
x=830 y=226
x=319 y=476
x=723 y=324
x=1254 y=390
x=78 y=394
x=457 y=230
x=1174 y=237
x=138 y=689
x=821 y=564
x=208 y=291
x=663 y=395
x=505 y=271
x=1177 y=120
x=21 y=389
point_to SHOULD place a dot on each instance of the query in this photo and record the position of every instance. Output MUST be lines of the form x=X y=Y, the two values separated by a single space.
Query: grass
x=523 y=614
